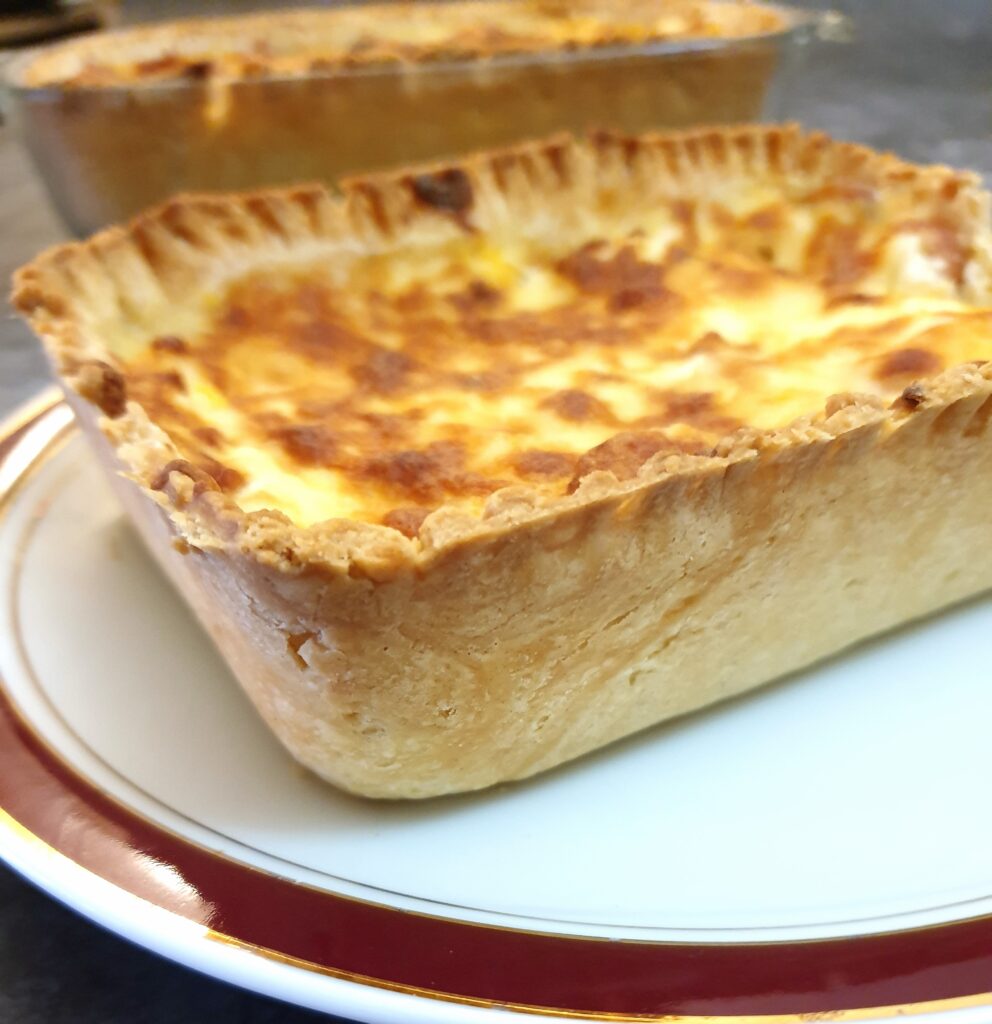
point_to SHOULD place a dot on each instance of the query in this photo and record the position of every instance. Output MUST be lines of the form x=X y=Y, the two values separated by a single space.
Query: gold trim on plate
x=867 y=1013
x=47 y=398
x=49 y=422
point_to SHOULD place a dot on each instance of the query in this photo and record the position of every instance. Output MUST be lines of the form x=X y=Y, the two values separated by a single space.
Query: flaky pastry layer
x=498 y=637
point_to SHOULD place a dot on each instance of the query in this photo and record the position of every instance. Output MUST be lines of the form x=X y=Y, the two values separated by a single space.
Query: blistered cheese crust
x=307 y=41
x=380 y=387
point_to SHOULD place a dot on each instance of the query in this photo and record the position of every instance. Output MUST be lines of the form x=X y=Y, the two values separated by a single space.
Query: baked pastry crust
x=288 y=43
x=501 y=641
x=311 y=95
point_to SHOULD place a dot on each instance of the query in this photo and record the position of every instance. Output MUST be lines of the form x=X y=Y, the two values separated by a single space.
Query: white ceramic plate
x=821 y=847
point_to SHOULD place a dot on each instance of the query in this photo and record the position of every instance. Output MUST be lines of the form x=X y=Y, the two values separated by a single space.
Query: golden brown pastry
x=489 y=464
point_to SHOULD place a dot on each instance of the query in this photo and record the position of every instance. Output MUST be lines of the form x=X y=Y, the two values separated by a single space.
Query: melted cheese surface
x=382 y=389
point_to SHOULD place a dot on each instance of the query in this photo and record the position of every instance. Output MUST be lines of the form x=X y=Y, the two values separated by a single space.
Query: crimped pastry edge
x=198 y=241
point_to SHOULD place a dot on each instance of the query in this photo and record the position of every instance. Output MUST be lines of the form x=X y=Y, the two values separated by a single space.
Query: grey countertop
x=917 y=80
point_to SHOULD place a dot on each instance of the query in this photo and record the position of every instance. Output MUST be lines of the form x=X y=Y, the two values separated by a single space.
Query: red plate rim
x=44 y=803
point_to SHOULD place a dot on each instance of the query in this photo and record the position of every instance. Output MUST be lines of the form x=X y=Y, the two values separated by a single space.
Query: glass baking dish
x=106 y=152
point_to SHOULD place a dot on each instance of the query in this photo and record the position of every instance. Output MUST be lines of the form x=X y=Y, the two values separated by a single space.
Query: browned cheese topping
x=383 y=388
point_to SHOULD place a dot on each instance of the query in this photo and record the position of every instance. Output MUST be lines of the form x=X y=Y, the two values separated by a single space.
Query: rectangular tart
x=310 y=95
x=483 y=466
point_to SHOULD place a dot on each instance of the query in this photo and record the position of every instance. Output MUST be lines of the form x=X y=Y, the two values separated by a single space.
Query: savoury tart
x=485 y=465
x=288 y=96
x=292 y=43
